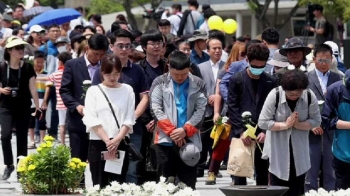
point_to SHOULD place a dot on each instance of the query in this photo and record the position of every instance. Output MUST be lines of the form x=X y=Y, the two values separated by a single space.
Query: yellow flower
x=76 y=160
x=39 y=149
x=49 y=144
x=48 y=138
x=82 y=164
x=72 y=165
x=31 y=167
x=43 y=145
x=27 y=159
x=21 y=169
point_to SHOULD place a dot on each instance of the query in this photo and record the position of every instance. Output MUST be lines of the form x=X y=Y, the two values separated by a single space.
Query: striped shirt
x=40 y=87
x=56 y=78
x=276 y=147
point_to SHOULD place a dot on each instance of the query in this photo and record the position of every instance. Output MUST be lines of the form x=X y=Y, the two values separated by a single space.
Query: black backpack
x=328 y=31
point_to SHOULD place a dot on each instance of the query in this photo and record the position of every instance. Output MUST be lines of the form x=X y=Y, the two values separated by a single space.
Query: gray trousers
x=321 y=158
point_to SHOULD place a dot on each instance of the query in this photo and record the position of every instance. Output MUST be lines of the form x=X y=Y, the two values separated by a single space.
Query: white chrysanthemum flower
x=245 y=114
x=26 y=56
x=162 y=179
x=290 y=67
x=320 y=102
x=116 y=186
x=302 y=68
x=149 y=187
x=224 y=119
x=86 y=82
x=31 y=58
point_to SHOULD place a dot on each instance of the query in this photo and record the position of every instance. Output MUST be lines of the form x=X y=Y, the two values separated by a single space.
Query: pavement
x=12 y=187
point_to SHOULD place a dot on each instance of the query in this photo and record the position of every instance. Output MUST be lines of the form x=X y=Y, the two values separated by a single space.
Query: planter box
x=254 y=190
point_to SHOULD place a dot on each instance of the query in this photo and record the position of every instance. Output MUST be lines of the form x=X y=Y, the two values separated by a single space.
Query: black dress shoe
x=7 y=172
x=200 y=173
x=219 y=175
x=223 y=166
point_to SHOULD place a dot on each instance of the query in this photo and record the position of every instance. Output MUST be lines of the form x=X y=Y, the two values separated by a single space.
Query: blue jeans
x=133 y=175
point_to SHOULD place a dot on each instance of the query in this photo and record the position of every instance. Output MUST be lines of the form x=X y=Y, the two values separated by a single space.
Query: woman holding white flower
x=100 y=116
x=18 y=87
x=288 y=114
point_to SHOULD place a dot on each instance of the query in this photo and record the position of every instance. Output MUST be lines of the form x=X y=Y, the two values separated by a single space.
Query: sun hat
x=278 y=60
x=334 y=47
x=294 y=43
x=198 y=35
x=36 y=29
x=190 y=154
x=14 y=41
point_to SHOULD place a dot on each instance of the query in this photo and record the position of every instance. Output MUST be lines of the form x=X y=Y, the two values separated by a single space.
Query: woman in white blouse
x=106 y=137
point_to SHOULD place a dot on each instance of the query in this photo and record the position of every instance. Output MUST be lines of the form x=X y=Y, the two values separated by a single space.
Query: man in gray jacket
x=178 y=102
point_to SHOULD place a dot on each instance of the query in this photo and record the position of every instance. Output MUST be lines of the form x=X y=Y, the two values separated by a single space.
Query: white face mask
x=62 y=49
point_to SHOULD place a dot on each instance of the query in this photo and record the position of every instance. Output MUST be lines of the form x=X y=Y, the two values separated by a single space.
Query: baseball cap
x=62 y=39
x=7 y=17
x=190 y=154
x=14 y=41
x=36 y=29
x=334 y=47
x=197 y=35
x=8 y=10
x=278 y=60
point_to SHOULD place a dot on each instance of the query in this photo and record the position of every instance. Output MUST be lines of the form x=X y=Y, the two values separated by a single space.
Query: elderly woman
x=289 y=112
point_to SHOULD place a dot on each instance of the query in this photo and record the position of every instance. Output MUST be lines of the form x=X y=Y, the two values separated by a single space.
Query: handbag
x=133 y=153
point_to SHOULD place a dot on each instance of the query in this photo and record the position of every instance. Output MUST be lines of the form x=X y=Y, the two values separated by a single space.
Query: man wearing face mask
x=247 y=91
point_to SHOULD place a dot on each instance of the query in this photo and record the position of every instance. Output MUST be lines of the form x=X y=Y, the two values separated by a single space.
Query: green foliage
x=338 y=8
x=105 y=6
x=50 y=170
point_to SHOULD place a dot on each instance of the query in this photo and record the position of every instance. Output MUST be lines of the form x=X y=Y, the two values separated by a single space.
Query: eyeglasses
x=19 y=47
x=326 y=61
x=40 y=33
x=122 y=46
x=159 y=43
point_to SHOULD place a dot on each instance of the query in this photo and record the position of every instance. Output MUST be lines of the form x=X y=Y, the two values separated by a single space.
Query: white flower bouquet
x=86 y=86
x=322 y=192
x=147 y=189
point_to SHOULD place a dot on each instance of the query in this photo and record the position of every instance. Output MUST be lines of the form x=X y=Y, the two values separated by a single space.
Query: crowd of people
x=163 y=90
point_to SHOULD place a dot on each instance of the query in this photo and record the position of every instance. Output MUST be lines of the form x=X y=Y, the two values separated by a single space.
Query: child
x=39 y=122
x=56 y=78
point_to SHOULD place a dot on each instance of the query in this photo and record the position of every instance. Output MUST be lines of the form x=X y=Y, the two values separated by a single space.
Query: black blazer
x=71 y=91
x=239 y=102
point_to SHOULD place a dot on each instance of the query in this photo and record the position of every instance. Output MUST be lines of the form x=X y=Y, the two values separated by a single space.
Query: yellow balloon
x=230 y=26
x=215 y=22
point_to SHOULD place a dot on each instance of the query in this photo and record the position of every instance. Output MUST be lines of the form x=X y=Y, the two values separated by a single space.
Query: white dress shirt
x=215 y=68
x=97 y=111
x=174 y=21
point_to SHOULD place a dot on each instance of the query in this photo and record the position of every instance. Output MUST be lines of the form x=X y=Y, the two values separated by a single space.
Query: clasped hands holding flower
x=112 y=145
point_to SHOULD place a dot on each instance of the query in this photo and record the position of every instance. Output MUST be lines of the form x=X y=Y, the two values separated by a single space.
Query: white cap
x=36 y=28
x=8 y=10
x=334 y=47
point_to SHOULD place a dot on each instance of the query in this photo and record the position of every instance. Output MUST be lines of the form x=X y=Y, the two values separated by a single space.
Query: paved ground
x=12 y=187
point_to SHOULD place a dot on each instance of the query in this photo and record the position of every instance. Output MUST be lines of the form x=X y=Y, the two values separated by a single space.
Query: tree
x=338 y=8
x=105 y=6
x=260 y=11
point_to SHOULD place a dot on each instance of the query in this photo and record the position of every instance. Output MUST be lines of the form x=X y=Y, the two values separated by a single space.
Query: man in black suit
x=320 y=140
x=75 y=72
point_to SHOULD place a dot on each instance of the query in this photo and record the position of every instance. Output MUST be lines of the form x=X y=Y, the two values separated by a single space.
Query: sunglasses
x=258 y=67
x=19 y=47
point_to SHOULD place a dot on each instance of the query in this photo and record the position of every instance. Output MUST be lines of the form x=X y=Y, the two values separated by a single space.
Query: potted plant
x=50 y=170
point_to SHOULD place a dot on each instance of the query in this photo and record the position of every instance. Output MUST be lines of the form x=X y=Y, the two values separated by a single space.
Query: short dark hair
x=120 y=33
x=64 y=57
x=216 y=34
x=110 y=62
x=151 y=35
x=18 y=6
x=209 y=40
x=163 y=23
x=39 y=54
x=79 y=9
x=52 y=26
x=92 y=29
x=121 y=17
x=253 y=41
x=98 y=42
x=116 y=25
x=258 y=52
x=318 y=7
x=322 y=48
x=294 y=80
x=193 y=3
x=97 y=18
x=79 y=28
x=209 y=13
x=205 y=7
x=179 y=60
x=16 y=31
x=177 y=6
x=271 y=36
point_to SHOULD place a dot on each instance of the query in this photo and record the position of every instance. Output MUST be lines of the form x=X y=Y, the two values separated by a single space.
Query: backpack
x=328 y=31
x=183 y=22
